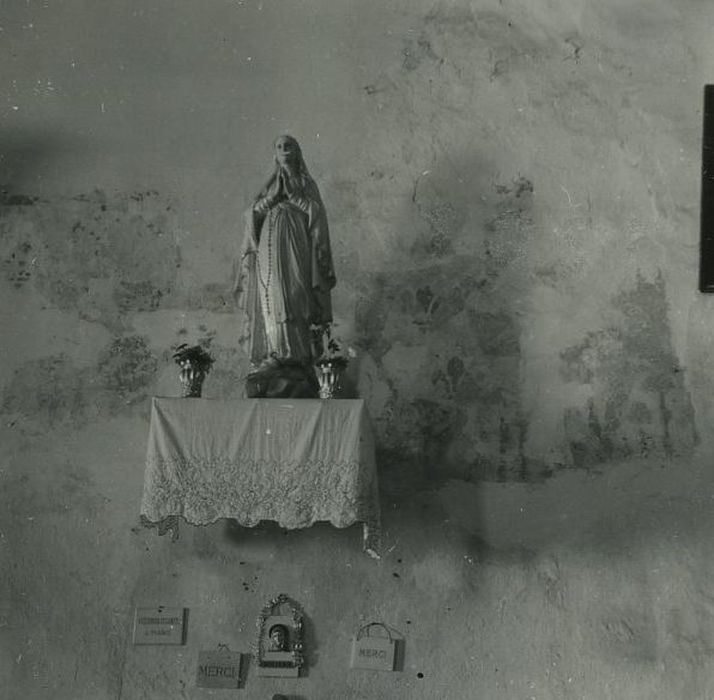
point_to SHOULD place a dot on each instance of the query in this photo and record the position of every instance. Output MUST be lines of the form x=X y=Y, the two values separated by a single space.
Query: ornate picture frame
x=279 y=643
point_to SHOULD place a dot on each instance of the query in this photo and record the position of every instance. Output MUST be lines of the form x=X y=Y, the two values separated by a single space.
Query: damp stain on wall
x=449 y=350
x=99 y=255
x=50 y=390
x=444 y=331
x=638 y=403
x=53 y=391
x=443 y=217
x=127 y=366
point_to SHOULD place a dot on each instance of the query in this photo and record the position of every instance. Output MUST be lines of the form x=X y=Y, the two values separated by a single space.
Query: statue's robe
x=285 y=273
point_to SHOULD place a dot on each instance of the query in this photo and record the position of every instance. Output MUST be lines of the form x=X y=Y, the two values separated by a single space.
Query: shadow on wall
x=441 y=330
x=442 y=333
x=638 y=503
x=24 y=153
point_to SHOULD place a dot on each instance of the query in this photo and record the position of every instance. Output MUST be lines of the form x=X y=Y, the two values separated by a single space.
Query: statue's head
x=278 y=635
x=287 y=151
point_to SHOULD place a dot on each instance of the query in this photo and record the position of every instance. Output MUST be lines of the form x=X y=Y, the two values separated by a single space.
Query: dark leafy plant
x=193 y=356
x=332 y=351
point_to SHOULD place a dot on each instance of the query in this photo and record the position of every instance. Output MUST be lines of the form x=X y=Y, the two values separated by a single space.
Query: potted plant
x=195 y=363
x=331 y=361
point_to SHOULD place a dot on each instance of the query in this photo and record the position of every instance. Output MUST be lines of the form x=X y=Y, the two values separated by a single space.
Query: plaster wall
x=513 y=196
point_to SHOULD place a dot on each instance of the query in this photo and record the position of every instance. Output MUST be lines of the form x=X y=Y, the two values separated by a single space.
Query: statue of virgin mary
x=285 y=272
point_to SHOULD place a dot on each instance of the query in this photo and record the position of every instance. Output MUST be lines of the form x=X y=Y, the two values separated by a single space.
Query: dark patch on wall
x=10 y=199
x=459 y=414
x=452 y=20
x=211 y=296
x=414 y=435
x=639 y=406
x=575 y=46
x=101 y=256
x=17 y=263
x=371 y=316
x=442 y=216
x=508 y=228
x=137 y=296
x=53 y=390
x=50 y=390
x=499 y=452
x=444 y=331
x=416 y=51
x=491 y=37
x=520 y=186
x=127 y=366
x=497 y=333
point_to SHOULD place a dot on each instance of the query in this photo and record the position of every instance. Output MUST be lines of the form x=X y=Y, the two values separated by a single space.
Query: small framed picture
x=279 y=646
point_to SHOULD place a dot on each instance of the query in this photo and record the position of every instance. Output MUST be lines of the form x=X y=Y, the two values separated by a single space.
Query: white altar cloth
x=292 y=461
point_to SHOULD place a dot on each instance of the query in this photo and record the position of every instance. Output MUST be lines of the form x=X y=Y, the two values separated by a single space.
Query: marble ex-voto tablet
x=160 y=625
x=218 y=669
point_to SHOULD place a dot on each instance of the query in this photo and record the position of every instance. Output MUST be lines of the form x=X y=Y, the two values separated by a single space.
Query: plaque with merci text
x=373 y=652
x=218 y=669
x=160 y=625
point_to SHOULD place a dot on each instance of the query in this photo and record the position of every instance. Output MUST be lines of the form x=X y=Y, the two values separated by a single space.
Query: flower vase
x=328 y=376
x=191 y=381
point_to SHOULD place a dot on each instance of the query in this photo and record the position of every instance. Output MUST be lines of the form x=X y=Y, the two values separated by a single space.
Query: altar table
x=292 y=461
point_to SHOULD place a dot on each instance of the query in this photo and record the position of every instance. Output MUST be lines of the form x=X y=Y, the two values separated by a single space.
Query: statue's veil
x=303 y=179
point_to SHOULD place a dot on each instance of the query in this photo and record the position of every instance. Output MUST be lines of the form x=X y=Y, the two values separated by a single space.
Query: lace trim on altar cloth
x=294 y=494
x=169 y=524
x=371 y=532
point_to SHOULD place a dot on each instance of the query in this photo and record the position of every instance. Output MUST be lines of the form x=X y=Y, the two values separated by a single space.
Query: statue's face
x=277 y=638
x=286 y=151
